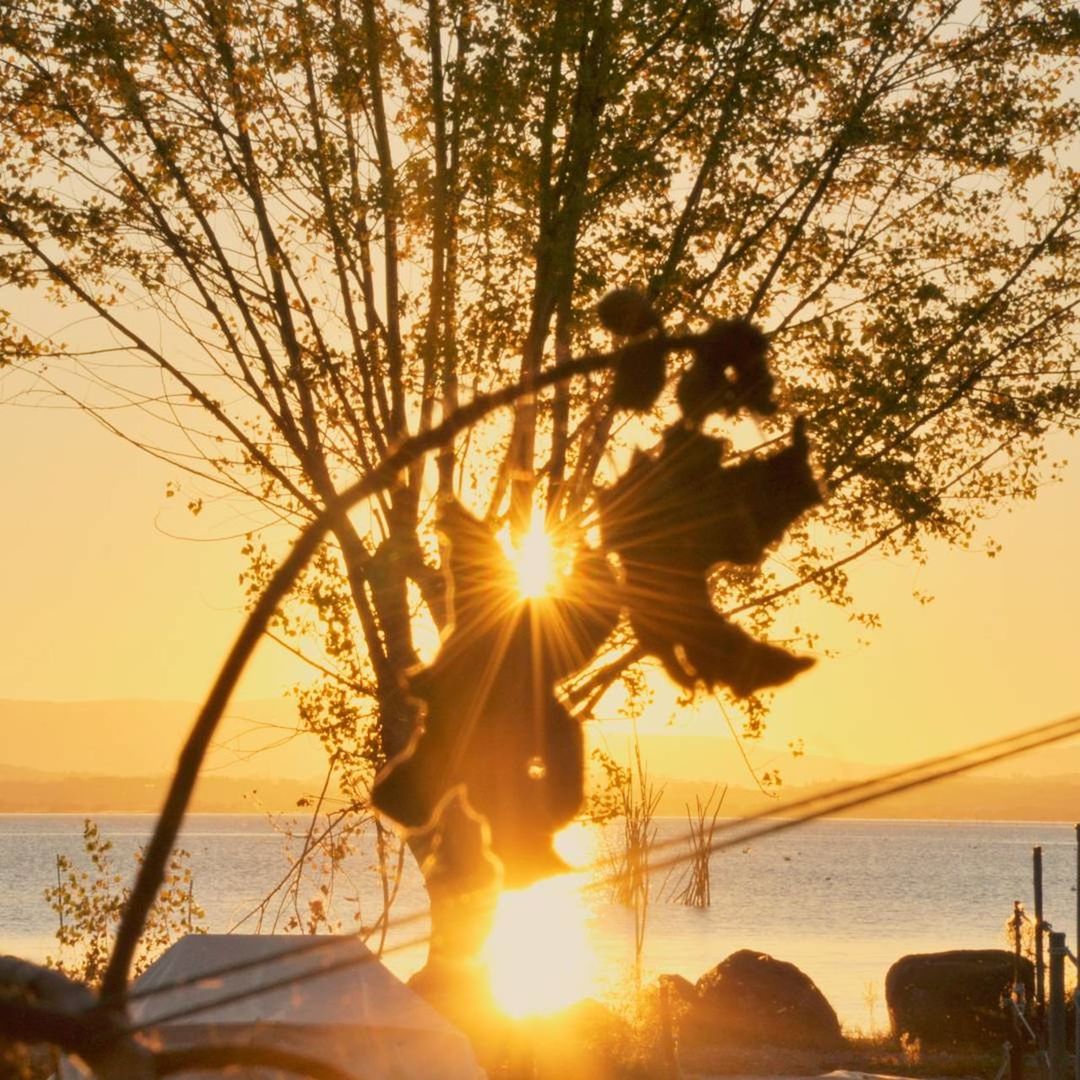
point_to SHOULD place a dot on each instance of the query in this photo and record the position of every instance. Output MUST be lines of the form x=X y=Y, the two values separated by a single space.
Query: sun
x=534 y=559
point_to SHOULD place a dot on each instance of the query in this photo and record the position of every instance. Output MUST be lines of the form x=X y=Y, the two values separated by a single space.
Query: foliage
x=88 y=903
x=605 y=791
x=328 y=205
x=307 y=897
x=305 y=230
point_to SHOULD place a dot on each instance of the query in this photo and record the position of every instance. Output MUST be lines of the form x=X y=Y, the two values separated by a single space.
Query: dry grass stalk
x=696 y=889
x=638 y=800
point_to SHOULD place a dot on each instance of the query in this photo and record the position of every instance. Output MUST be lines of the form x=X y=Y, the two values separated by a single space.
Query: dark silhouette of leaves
x=627 y=312
x=639 y=374
x=492 y=724
x=696 y=644
x=728 y=373
x=673 y=517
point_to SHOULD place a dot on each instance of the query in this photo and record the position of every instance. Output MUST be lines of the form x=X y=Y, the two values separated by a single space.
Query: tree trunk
x=460 y=919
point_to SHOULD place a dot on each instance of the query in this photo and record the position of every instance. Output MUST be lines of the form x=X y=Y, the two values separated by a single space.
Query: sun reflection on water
x=539 y=954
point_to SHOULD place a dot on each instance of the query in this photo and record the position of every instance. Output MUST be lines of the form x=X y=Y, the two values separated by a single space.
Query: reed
x=637 y=799
x=694 y=889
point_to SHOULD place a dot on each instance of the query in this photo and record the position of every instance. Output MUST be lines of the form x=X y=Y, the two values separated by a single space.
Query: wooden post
x=1040 y=966
x=1076 y=951
x=1056 y=1010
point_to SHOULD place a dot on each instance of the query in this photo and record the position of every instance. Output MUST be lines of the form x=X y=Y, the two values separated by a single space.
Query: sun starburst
x=535 y=559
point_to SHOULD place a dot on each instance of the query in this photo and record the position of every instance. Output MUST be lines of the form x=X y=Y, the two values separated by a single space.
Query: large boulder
x=947 y=998
x=752 y=998
x=679 y=989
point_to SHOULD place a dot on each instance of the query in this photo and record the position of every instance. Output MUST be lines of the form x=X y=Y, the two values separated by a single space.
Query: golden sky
x=102 y=601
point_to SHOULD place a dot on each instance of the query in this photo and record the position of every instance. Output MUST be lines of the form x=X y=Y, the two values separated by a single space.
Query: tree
x=318 y=227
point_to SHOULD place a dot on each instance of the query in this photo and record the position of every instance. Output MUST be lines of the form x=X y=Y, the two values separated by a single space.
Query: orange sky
x=100 y=601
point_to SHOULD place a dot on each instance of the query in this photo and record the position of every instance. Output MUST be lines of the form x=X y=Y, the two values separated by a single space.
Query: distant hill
x=718 y=758
x=707 y=757
x=92 y=756
x=28 y=791
x=143 y=738
x=33 y=791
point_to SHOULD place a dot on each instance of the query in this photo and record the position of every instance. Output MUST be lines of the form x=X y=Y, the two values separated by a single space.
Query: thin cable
x=845 y=797
x=314 y=944
x=1049 y=730
x=1026 y=741
x=274 y=984
x=817 y=806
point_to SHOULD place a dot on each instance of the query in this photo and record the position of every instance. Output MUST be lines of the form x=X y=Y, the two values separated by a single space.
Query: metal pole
x=1040 y=966
x=1056 y=1011
x=1016 y=924
x=1016 y=998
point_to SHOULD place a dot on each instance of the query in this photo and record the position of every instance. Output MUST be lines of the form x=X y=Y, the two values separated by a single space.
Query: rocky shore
x=755 y=1015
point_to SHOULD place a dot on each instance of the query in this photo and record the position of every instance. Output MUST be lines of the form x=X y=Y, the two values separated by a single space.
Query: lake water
x=841 y=899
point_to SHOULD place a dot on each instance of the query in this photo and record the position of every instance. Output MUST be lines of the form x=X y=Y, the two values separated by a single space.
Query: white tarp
x=325 y=997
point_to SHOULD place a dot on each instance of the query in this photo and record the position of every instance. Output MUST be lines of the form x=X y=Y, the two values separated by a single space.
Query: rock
x=682 y=1006
x=953 y=997
x=752 y=998
x=679 y=989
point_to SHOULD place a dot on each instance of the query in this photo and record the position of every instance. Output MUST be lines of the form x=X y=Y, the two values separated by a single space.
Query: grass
x=592 y=1042
x=877 y=1054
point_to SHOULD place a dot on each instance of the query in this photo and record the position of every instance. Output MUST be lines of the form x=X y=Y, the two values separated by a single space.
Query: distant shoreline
x=972 y=798
x=868 y=818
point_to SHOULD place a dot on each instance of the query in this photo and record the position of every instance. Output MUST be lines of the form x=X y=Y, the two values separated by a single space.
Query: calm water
x=841 y=899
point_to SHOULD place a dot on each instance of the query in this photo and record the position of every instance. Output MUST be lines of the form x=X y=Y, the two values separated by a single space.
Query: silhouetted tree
x=311 y=230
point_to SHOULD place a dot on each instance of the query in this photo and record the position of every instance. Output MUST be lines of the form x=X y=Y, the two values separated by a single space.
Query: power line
x=845 y=798
x=262 y=988
x=752 y=827
x=895 y=780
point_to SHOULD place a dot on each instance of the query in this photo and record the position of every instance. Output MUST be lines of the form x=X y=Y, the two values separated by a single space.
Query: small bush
x=88 y=904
